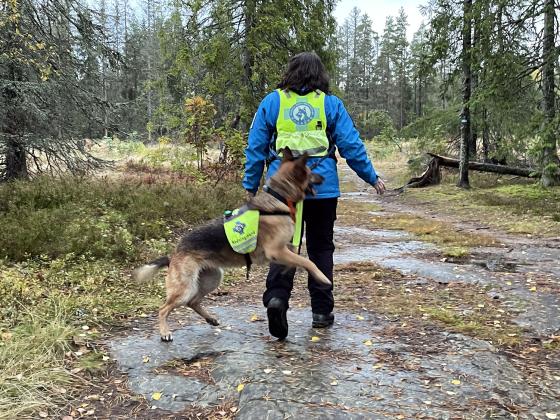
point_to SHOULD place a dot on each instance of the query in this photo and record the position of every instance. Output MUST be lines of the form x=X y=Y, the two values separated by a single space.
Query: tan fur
x=193 y=275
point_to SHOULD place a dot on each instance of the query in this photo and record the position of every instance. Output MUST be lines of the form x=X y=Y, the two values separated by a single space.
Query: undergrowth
x=66 y=252
x=102 y=218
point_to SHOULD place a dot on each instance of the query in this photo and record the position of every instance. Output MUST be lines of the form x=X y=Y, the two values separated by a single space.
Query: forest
x=480 y=74
x=123 y=126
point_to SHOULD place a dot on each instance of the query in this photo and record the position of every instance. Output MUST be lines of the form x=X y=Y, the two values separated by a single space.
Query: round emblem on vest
x=302 y=113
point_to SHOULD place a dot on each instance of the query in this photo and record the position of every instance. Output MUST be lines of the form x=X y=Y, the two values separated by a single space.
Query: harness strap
x=276 y=195
x=279 y=197
x=274 y=213
x=248 y=263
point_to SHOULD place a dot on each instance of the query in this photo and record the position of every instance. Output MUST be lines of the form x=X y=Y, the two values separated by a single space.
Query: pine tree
x=43 y=101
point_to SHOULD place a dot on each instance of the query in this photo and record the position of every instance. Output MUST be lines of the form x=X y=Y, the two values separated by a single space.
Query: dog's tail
x=146 y=272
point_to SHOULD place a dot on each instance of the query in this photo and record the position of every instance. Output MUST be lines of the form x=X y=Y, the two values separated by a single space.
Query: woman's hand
x=379 y=186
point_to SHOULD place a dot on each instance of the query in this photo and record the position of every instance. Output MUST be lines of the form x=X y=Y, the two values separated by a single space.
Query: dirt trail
x=378 y=361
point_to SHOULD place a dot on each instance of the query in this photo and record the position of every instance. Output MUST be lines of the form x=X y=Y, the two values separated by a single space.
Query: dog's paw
x=167 y=338
x=213 y=321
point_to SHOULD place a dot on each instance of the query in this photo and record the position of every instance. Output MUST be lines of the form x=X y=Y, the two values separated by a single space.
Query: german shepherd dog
x=196 y=266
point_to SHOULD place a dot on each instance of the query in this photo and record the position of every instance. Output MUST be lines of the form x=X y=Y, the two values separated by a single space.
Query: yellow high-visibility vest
x=302 y=124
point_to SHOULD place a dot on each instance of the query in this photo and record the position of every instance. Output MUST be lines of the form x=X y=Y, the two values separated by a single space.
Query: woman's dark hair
x=305 y=72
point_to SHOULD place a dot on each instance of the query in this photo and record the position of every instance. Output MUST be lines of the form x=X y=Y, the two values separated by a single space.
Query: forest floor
x=437 y=316
x=447 y=306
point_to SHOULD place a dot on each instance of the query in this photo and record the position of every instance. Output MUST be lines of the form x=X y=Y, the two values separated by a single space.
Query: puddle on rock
x=359 y=232
x=377 y=253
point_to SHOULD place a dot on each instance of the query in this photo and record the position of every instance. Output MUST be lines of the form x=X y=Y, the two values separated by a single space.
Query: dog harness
x=242 y=225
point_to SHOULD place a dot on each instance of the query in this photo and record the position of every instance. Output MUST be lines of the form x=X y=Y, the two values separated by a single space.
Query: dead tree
x=432 y=174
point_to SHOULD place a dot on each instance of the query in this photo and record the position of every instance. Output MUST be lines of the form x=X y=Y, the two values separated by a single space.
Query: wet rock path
x=363 y=367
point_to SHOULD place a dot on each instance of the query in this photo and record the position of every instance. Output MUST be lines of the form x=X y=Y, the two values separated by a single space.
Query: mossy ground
x=512 y=204
x=456 y=307
x=66 y=253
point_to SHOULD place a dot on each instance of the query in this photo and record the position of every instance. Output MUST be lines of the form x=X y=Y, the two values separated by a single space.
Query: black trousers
x=318 y=216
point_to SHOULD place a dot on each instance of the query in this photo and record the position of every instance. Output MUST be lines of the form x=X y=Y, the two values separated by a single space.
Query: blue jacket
x=342 y=132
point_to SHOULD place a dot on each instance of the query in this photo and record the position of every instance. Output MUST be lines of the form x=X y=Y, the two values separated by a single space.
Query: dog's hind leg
x=208 y=280
x=182 y=288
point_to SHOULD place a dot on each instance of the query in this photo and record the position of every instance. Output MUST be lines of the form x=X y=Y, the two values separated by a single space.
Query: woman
x=304 y=115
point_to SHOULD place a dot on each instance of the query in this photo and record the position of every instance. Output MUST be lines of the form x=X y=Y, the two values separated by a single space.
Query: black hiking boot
x=277 y=319
x=322 y=320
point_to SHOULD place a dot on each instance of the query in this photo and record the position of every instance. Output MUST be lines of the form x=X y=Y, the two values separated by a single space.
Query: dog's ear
x=287 y=155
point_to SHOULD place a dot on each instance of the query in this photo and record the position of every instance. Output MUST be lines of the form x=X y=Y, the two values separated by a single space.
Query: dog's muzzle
x=314 y=179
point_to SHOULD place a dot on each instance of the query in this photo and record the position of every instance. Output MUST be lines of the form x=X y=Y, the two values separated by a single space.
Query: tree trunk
x=550 y=161
x=485 y=136
x=487 y=167
x=465 y=113
x=16 y=161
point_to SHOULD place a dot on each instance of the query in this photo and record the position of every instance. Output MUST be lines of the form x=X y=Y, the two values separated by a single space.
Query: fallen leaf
x=6 y=336
x=368 y=343
x=334 y=383
x=359 y=318
x=551 y=416
x=456 y=382
x=255 y=318
x=240 y=387
x=315 y=338
x=156 y=396
x=533 y=289
x=508 y=283
x=377 y=366
x=146 y=359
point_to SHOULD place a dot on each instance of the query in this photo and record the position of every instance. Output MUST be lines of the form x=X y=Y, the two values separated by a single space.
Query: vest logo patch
x=302 y=113
x=239 y=227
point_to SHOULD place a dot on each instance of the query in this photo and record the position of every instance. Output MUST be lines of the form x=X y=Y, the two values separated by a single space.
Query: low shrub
x=101 y=217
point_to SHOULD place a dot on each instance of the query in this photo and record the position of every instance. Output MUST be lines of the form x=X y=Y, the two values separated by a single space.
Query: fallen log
x=487 y=167
x=432 y=174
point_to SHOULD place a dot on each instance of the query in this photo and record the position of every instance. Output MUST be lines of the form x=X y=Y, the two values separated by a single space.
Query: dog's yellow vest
x=242 y=228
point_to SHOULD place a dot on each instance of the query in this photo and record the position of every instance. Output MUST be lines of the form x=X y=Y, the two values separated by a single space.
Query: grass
x=66 y=252
x=33 y=373
x=454 y=243
x=516 y=208
x=515 y=205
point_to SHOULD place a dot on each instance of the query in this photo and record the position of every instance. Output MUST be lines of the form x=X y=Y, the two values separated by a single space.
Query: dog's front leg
x=284 y=256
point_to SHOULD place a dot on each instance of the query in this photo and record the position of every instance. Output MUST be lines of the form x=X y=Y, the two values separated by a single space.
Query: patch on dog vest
x=242 y=227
